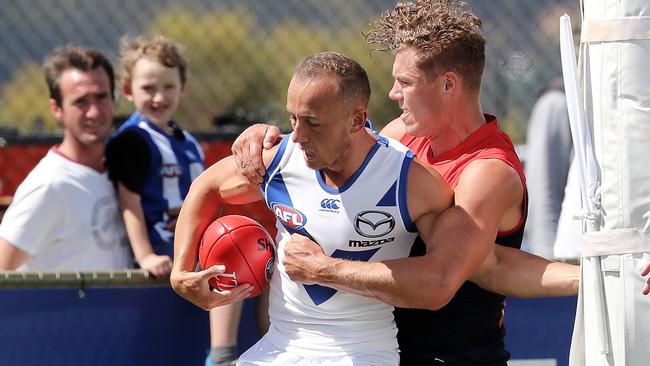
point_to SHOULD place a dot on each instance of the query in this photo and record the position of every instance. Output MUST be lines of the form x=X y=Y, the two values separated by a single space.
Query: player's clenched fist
x=303 y=258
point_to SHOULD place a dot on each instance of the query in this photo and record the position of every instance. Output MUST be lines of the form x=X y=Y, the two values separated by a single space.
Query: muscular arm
x=458 y=241
x=221 y=183
x=397 y=282
x=512 y=272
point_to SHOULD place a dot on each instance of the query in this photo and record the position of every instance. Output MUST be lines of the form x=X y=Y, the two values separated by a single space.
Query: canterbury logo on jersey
x=330 y=203
x=374 y=224
x=171 y=170
x=289 y=216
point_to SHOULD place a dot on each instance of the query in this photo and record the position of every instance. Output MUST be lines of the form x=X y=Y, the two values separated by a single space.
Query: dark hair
x=444 y=33
x=73 y=57
x=354 y=86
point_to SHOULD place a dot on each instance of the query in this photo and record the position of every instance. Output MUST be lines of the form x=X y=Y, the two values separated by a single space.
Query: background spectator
x=549 y=151
x=64 y=215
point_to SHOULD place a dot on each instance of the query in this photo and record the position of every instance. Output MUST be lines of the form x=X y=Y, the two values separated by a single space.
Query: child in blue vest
x=152 y=162
x=150 y=159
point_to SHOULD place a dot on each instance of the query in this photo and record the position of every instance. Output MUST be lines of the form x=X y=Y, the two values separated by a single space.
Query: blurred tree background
x=242 y=53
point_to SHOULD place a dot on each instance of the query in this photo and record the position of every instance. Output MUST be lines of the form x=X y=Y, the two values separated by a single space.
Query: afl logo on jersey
x=292 y=218
x=373 y=224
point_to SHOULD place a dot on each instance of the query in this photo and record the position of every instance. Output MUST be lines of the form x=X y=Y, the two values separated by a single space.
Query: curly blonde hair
x=158 y=48
x=445 y=33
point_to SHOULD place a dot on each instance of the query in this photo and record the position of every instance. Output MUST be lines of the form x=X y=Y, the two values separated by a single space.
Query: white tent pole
x=584 y=154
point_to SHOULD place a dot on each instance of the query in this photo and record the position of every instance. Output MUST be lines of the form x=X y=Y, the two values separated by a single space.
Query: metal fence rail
x=79 y=279
x=100 y=279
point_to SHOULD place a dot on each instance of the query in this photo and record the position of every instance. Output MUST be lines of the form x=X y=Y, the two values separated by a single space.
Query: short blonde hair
x=157 y=47
x=354 y=87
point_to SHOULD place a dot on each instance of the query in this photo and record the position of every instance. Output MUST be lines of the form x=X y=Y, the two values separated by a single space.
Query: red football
x=244 y=247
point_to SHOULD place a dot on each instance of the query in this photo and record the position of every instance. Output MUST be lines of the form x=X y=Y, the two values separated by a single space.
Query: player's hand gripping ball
x=244 y=247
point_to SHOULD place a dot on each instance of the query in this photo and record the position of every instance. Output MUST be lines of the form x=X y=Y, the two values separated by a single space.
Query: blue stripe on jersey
x=279 y=201
x=276 y=159
x=352 y=179
x=403 y=203
x=319 y=294
x=390 y=198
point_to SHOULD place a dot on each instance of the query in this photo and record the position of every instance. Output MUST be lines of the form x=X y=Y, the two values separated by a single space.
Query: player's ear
x=451 y=81
x=359 y=119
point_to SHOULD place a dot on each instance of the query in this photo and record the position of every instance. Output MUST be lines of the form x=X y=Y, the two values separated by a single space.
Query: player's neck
x=339 y=173
x=456 y=128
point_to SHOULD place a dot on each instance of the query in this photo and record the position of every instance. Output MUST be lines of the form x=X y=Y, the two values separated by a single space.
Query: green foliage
x=25 y=100
x=237 y=66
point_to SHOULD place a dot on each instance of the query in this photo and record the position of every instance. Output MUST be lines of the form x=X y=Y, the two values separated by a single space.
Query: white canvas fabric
x=612 y=317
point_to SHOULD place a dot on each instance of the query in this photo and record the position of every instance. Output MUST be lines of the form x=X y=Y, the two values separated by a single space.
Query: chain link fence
x=242 y=52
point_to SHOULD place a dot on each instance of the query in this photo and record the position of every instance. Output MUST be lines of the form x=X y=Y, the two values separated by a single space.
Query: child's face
x=155 y=90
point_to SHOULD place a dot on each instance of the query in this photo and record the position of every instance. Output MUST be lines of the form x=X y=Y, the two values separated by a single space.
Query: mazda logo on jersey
x=290 y=217
x=373 y=224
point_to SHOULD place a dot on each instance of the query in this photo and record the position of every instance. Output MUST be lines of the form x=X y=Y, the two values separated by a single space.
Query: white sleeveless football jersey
x=366 y=219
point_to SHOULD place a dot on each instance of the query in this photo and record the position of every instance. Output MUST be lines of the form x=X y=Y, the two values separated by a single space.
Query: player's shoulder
x=421 y=173
x=427 y=191
x=273 y=155
x=487 y=167
x=394 y=129
x=487 y=175
x=392 y=144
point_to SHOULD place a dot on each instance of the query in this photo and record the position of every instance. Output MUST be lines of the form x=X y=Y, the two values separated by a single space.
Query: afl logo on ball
x=268 y=270
x=292 y=218
x=373 y=224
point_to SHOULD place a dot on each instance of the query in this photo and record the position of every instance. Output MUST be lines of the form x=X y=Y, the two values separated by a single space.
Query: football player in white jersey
x=327 y=103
